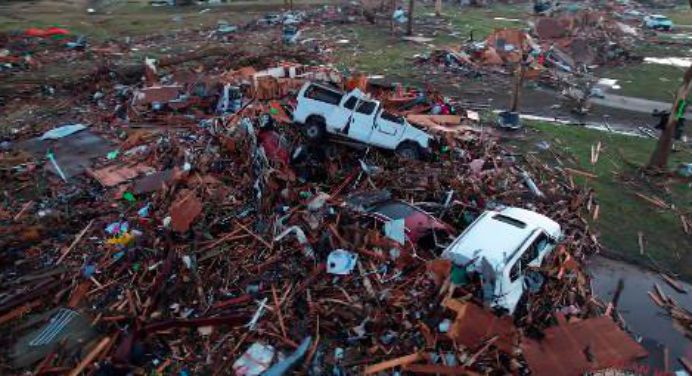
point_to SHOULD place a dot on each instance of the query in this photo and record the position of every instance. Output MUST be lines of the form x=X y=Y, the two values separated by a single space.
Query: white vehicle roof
x=496 y=235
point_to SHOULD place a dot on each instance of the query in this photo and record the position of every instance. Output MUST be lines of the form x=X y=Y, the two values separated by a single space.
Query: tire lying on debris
x=315 y=129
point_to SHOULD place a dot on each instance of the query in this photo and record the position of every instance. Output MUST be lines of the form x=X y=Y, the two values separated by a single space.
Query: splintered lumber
x=656 y=299
x=685 y=226
x=660 y=293
x=581 y=173
x=19 y=311
x=398 y=362
x=673 y=283
x=74 y=243
x=655 y=201
x=437 y=369
x=640 y=240
x=90 y=357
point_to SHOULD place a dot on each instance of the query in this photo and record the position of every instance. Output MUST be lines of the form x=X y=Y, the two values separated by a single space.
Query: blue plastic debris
x=144 y=211
x=88 y=270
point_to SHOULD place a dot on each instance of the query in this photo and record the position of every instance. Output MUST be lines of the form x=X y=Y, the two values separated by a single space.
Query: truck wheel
x=314 y=130
x=408 y=151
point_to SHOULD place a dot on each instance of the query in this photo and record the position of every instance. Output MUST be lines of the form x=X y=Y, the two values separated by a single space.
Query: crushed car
x=401 y=220
x=500 y=247
x=355 y=117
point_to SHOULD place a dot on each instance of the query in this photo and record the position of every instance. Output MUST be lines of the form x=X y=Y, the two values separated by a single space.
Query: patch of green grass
x=376 y=50
x=649 y=81
x=482 y=20
x=622 y=213
x=133 y=18
x=681 y=15
x=646 y=49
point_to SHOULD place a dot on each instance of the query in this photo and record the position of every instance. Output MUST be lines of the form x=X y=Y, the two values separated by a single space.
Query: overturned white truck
x=501 y=246
x=324 y=110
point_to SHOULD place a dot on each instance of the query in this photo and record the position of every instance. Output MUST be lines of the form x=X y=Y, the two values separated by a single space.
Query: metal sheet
x=475 y=325
x=564 y=349
x=72 y=153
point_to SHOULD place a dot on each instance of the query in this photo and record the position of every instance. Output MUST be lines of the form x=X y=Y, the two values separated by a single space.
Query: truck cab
x=501 y=246
x=658 y=22
x=324 y=110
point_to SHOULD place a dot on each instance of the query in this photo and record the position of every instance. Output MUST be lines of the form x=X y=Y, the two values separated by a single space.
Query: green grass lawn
x=376 y=50
x=119 y=19
x=681 y=15
x=482 y=21
x=650 y=81
x=622 y=213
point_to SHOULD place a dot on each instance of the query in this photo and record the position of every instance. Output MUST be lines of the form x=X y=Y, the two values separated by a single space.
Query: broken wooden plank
x=437 y=369
x=581 y=173
x=19 y=311
x=656 y=299
x=655 y=201
x=660 y=293
x=640 y=240
x=90 y=357
x=74 y=243
x=398 y=362
x=673 y=283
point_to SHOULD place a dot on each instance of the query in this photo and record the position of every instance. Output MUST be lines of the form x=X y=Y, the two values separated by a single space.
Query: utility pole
x=392 y=7
x=516 y=91
x=409 y=29
x=659 y=158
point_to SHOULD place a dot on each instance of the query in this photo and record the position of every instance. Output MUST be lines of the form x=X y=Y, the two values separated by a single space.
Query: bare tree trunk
x=438 y=8
x=409 y=29
x=659 y=158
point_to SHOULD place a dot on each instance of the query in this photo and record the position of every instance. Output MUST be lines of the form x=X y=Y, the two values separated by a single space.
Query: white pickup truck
x=322 y=109
x=501 y=246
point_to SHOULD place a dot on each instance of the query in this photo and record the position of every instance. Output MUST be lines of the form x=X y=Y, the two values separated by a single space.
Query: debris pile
x=37 y=47
x=193 y=228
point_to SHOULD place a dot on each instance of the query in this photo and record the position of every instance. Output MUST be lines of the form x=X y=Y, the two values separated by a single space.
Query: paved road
x=633 y=104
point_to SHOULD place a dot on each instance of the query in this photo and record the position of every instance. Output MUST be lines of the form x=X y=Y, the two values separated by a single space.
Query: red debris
x=43 y=33
x=474 y=325
x=588 y=345
x=184 y=211
x=113 y=175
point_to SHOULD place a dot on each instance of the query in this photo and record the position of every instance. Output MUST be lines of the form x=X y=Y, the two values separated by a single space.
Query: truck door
x=362 y=121
x=339 y=117
x=511 y=288
x=389 y=129
x=513 y=276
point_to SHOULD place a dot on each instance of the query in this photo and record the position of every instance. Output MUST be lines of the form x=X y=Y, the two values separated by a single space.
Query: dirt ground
x=124 y=33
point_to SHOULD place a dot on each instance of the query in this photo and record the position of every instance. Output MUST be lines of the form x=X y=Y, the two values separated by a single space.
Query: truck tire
x=408 y=150
x=314 y=129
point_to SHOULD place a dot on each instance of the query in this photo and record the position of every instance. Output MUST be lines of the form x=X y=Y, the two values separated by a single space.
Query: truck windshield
x=391 y=117
x=366 y=107
x=323 y=95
